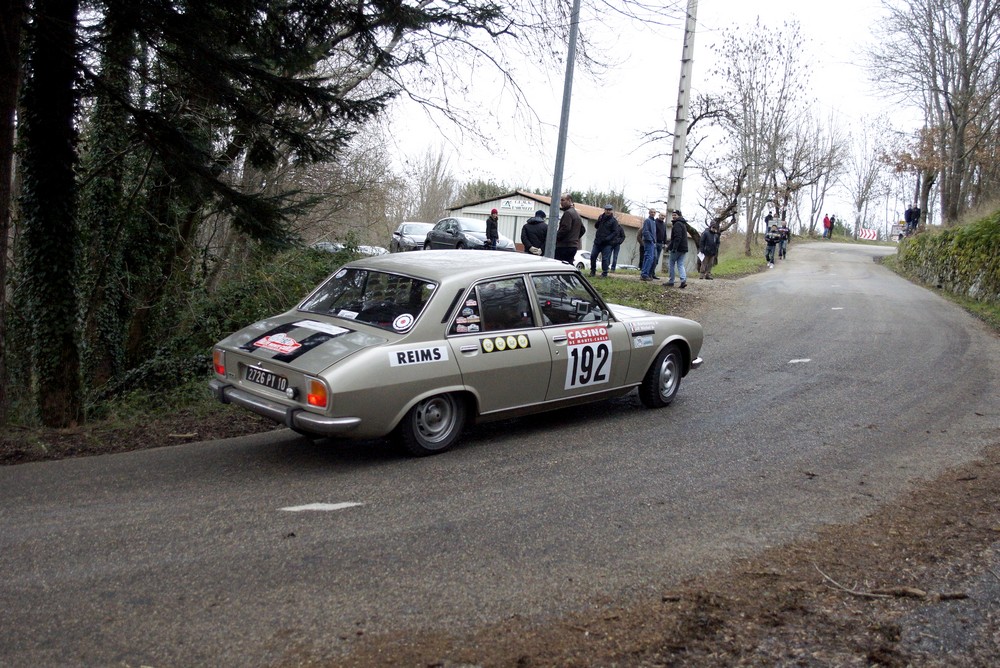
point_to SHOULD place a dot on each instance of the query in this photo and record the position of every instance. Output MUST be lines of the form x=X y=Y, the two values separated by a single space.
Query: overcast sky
x=609 y=117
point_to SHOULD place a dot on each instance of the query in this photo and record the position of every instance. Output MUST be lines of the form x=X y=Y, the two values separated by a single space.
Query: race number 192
x=588 y=364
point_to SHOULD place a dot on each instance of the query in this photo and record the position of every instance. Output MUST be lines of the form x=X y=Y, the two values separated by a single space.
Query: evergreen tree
x=50 y=238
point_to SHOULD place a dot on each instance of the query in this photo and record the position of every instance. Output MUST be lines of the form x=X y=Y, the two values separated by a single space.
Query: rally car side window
x=494 y=305
x=565 y=299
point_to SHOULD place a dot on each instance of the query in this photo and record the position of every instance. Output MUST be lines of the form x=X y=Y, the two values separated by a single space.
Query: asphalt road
x=830 y=385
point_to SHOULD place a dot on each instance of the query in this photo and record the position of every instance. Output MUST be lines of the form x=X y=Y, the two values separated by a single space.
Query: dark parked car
x=409 y=237
x=462 y=233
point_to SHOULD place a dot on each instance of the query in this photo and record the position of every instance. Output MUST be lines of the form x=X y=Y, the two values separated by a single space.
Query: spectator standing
x=619 y=240
x=661 y=241
x=916 y=218
x=786 y=235
x=678 y=248
x=533 y=234
x=569 y=231
x=908 y=219
x=826 y=226
x=833 y=225
x=767 y=220
x=648 y=233
x=492 y=230
x=607 y=228
x=709 y=249
x=642 y=248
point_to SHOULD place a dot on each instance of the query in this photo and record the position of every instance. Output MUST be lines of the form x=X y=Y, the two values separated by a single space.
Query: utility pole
x=574 y=28
x=683 y=100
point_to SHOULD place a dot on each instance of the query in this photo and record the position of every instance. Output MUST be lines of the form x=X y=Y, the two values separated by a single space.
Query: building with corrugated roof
x=517 y=207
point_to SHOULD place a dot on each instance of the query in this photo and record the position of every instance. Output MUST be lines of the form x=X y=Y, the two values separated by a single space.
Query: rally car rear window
x=389 y=301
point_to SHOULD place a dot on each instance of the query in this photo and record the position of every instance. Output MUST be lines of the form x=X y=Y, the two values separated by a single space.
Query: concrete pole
x=683 y=102
x=681 y=121
x=574 y=28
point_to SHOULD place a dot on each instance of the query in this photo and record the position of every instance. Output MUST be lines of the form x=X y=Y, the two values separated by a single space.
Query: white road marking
x=323 y=506
x=837 y=308
x=800 y=361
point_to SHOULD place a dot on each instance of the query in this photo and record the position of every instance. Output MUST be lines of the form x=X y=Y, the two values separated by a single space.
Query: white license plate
x=266 y=378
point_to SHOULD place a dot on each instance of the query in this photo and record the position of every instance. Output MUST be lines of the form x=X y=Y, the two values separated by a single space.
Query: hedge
x=964 y=260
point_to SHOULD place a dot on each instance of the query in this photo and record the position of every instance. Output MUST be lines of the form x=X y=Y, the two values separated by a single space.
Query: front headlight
x=474 y=241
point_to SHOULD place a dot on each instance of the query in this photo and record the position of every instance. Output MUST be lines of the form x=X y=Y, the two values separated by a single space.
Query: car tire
x=427 y=245
x=433 y=425
x=579 y=265
x=663 y=378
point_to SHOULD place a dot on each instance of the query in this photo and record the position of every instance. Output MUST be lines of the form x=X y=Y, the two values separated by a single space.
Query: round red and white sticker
x=402 y=322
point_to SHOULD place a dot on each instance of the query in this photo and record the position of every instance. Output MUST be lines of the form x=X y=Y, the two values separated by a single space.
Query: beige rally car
x=418 y=344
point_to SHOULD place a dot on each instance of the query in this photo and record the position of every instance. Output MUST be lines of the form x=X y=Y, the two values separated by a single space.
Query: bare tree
x=943 y=56
x=828 y=144
x=764 y=83
x=432 y=185
x=866 y=168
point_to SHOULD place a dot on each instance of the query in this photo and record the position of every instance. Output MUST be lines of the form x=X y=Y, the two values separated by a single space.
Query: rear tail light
x=316 y=393
x=219 y=361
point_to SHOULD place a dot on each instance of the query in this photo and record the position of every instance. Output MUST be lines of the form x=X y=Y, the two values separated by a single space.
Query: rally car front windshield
x=389 y=301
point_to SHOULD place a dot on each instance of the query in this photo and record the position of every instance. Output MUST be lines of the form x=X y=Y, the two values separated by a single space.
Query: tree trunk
x=11 y=15
x=51 y=237
x=103 y=210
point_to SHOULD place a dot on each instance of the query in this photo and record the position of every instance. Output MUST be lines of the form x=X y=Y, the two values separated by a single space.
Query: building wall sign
x=517 y=205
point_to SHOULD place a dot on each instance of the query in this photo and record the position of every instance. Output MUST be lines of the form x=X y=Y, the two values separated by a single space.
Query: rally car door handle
x=469 y=349
x=559 y=338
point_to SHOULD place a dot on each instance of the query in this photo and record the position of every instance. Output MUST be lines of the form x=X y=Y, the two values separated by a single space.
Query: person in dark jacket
x=617 y=248
x=709 y=249
x=648 y=232
x=570 y=230
x=533 y=234
x=607 y=227
x=786 y=236
x=492 y=230
x=678 y=248
x=661 y=241
x=772 y=238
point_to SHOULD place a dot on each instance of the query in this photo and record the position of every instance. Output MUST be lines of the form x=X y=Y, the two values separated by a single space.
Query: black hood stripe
x=305 y=346
x=251 y=346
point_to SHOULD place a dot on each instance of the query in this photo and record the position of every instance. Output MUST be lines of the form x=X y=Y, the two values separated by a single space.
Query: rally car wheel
x=432 y=425
x=662 y=379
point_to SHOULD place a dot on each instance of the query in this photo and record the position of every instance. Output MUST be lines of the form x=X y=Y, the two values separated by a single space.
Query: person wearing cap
x=678 y=248
x=492 y=230
x=533 y=234
x=569 y=231
x=605 y=237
